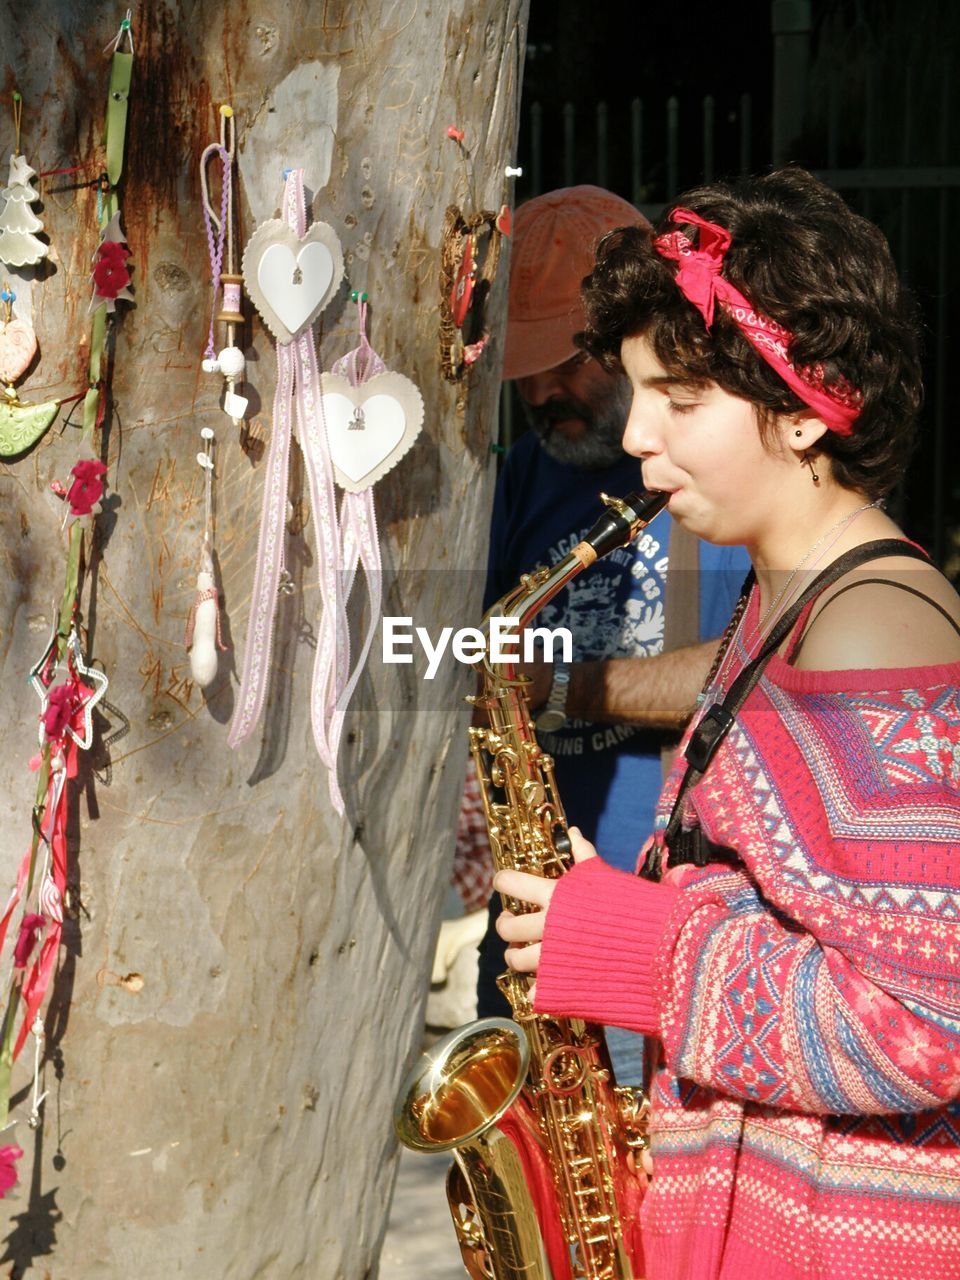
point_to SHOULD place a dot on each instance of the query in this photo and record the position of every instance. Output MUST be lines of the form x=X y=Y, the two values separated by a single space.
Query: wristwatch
x=553 y=713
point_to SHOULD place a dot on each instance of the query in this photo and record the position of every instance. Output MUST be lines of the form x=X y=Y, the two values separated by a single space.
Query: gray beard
x=600 y=445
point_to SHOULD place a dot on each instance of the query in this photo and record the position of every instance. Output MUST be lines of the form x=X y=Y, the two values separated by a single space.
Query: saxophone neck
x=619 y=525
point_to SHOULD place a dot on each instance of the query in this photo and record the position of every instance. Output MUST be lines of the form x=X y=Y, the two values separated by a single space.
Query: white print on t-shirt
x=605 y=625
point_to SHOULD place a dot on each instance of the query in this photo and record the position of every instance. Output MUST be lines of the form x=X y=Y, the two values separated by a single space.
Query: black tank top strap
x=719 y=718
x=900 y=586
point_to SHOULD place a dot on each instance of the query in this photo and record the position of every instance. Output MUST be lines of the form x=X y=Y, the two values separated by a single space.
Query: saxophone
x=541 y=1187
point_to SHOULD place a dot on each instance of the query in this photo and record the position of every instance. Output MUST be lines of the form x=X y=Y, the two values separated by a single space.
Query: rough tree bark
x=242 y=979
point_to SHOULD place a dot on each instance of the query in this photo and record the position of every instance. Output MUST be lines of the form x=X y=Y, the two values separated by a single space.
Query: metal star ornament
x=90 y=679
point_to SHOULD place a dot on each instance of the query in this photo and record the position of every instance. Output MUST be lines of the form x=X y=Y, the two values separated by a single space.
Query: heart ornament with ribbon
x=18 y=346
x=21 y=423
x=291 y=278
x=369 y=427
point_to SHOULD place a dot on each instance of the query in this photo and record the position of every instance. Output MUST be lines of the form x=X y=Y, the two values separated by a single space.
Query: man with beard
x=606 y=717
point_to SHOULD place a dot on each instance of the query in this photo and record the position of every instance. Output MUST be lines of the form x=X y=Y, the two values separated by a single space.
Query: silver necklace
x=718 y=684
x=837 y=528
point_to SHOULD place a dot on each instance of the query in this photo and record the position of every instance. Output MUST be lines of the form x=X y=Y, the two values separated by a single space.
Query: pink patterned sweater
x=806 y=1123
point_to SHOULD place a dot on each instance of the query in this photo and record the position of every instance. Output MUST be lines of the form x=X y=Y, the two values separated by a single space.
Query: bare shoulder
x=895 y=612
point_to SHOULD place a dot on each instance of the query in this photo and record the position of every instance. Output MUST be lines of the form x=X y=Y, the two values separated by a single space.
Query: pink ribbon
x=699 y=280
x=344 y=541
x=361 y=542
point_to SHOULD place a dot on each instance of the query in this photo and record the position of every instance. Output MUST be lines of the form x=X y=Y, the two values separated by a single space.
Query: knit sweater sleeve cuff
x=602 y=933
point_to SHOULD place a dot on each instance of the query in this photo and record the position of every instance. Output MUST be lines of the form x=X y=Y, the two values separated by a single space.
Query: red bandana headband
x=699 y=280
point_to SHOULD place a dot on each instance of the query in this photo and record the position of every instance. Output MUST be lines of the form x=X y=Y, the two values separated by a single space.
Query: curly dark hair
x=804 y=258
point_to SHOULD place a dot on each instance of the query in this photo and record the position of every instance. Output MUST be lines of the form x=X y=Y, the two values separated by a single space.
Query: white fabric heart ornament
x=369 y=427
x=291 y=278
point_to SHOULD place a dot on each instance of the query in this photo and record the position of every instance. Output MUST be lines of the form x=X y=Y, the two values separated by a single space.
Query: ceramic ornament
x=19 y=246
x=369 y=427
x=18 y=346
x=291 y=278
x=21 y=424
x=203 y=639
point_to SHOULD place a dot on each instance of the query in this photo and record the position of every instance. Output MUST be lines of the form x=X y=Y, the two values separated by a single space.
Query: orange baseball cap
x=554 y=241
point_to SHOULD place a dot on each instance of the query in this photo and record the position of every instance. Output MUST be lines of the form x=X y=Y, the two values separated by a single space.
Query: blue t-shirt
x=608 y=775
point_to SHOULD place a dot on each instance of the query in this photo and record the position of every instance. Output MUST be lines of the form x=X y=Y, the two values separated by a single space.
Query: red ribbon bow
x=698 y=273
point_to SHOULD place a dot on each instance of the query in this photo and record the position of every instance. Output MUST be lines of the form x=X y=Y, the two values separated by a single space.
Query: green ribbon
x=114 y=140
x=115 y=126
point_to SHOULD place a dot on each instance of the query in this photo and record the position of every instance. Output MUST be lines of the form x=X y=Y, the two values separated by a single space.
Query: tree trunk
x=242 y=977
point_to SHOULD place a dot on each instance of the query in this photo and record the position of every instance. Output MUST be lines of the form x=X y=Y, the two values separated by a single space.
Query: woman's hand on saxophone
x=524 y=933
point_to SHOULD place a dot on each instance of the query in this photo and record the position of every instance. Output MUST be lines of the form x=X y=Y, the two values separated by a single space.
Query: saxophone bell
x=463 y=1096
x=462 y=1085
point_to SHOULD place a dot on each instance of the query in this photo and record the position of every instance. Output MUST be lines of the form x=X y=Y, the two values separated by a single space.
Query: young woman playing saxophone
x=794 y=945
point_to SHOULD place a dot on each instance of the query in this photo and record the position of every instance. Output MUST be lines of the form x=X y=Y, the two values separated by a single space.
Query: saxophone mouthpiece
x=623 y=519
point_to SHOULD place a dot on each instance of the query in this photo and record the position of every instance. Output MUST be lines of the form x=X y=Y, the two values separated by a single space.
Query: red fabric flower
x=87 y=488
x=30 y=926
x=110 y=272
x=61 y=704
x=114 y=251
x=8 y=1170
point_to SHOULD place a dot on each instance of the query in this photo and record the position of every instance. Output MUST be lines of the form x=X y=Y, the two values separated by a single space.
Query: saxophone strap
x=690 y=844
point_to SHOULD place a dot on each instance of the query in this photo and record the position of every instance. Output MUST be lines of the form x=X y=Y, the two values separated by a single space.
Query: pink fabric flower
x=87 y=488
x=30 y=926
x=110 y=272
x=8 y=1171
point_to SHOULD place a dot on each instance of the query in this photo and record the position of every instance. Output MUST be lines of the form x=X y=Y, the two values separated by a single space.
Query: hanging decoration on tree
x=469 y=254
x=69 y=687
x=353 y=424
x=203 y=637
x=21 y=424
x=19 y=245
x=372 y=417
x=111 y=274
x=69 y=690
x=290 y=274
x=229 y=361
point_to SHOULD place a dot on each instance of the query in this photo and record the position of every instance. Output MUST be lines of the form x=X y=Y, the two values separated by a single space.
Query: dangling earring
x=807 y=461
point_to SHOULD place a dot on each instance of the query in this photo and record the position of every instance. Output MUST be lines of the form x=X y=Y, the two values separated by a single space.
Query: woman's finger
x=520 y=928
x=582 y=848
x=524 y=887
x=523 y=959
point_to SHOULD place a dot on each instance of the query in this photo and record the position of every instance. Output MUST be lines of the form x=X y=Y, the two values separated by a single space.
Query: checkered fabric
x=472 y=875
